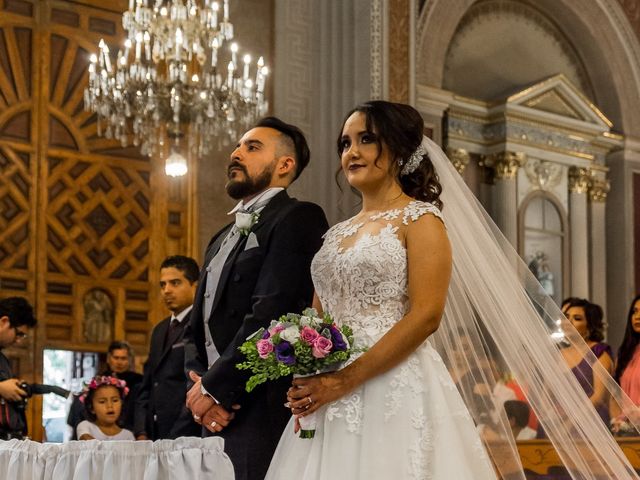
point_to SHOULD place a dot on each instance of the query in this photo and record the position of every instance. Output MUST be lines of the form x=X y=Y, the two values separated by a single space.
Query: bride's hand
x=308 y=394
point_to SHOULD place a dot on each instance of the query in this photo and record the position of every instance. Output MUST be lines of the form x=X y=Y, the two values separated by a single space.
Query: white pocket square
x=252 y=242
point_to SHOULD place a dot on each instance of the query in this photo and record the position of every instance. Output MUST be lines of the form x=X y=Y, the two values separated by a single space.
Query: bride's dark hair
x=400 y=127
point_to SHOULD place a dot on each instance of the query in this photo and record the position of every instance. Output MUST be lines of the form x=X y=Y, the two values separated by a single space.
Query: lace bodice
x=360 y=273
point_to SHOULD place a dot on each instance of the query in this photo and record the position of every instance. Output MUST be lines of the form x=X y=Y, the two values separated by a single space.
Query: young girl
x=102 y=400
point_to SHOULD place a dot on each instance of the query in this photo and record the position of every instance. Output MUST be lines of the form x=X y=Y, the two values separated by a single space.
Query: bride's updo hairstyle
x=400 y=127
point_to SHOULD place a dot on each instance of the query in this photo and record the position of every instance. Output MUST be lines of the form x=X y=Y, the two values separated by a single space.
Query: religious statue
x=98 y=316
x=539 y=266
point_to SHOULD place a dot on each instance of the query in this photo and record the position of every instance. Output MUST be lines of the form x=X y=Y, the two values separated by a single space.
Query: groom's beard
x=247 y=186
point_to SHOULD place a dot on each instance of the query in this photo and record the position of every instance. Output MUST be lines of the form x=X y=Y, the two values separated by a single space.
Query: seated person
x=102 y=399
x=520 y=395
x=627 y=373
x=518 y=415
x=586 y=317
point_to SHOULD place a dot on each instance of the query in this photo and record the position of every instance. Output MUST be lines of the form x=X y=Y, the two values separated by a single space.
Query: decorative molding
x=377 y=49
x=599 y=189
x=579 y=180
x=459 y=158
x=551 y=101
x=505 y=164
x=294 y=87
x=543 y=175
x=485 y=128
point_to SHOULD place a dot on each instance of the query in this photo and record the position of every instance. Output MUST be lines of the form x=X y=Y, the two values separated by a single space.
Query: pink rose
x=321 y=347
x=265 y=347
x=277 y=329
x=308 y=335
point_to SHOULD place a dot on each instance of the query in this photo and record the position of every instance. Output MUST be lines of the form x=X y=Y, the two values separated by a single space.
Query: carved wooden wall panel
x=18 y=166
x=78 y=213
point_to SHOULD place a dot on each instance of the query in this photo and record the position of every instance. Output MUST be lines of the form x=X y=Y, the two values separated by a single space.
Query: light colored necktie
x=214 y=271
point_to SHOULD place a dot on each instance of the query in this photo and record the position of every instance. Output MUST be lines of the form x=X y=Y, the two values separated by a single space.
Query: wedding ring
x=309 y=398
x=213 y=424
x=196 y=418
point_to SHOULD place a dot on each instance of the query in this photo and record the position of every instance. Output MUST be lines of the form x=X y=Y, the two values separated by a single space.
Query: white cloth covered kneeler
x=186 y=457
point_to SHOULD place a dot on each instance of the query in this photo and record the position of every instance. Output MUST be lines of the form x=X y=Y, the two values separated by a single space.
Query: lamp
x=168 y=82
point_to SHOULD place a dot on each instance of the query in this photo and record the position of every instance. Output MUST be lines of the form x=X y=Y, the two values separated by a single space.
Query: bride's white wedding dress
x=408 y=423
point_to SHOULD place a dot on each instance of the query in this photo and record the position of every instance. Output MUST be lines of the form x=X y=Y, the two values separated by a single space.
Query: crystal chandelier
x=168 y=91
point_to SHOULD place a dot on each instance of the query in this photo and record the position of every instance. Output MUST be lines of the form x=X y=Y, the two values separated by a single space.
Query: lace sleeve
x=416 y=209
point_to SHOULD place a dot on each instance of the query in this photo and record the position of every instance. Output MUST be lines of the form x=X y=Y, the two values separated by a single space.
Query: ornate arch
x=608 y=46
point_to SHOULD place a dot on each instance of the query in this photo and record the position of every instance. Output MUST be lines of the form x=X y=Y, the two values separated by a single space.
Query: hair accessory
x=101 y=381
x=414 y=160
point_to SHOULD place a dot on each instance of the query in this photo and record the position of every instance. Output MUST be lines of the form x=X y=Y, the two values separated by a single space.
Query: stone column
x=598 y=190
x=579 y=180
x=505 y=198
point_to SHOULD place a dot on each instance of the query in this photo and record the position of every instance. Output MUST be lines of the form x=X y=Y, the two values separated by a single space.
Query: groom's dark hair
x=294 y=139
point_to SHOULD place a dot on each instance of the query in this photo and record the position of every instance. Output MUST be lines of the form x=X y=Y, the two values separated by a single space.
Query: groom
x=255 y=270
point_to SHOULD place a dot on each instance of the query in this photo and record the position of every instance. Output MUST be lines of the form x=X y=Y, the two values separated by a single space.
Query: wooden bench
x=540 y=458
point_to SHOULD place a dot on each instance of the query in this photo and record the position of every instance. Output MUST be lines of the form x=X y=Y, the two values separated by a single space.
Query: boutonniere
x=245 y=221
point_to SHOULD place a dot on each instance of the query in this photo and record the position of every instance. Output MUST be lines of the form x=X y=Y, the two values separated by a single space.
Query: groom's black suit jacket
x=257 y=285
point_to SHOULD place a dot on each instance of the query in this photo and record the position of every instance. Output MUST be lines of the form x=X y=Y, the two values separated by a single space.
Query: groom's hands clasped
x=211 y=415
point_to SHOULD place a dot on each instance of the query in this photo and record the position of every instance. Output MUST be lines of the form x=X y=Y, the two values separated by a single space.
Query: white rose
x=244 y=220
x=290 y=334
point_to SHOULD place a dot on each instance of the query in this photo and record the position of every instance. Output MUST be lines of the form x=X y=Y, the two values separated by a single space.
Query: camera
x=38 y=389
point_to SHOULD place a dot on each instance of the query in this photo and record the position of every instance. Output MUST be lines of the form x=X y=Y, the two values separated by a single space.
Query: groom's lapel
x=215 y=245
x=267 y=215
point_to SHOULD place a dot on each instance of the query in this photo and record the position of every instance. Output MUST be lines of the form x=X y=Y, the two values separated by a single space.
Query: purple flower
x=285 y=354
x=337 y=338
x=266 y=334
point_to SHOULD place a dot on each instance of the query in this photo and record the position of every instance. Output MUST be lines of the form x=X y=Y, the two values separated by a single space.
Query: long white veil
x=498 y=316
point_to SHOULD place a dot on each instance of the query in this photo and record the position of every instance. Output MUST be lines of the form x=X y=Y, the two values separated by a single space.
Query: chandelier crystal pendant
x=174 y=89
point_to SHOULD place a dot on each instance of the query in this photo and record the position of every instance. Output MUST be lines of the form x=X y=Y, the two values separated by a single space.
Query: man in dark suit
x=160 y=405
x=255 y=270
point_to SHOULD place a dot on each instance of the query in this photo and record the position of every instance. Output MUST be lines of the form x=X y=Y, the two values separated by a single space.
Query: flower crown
x=101 y=381
x=414 y=160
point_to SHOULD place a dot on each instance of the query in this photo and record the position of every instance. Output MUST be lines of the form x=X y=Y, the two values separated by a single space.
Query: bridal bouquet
x=301 y=345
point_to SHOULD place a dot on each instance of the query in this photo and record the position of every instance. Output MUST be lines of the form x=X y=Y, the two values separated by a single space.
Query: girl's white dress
x=408 y=423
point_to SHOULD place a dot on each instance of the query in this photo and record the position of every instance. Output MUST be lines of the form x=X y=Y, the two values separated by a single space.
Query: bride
x=385 y=272
x=426 y=280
